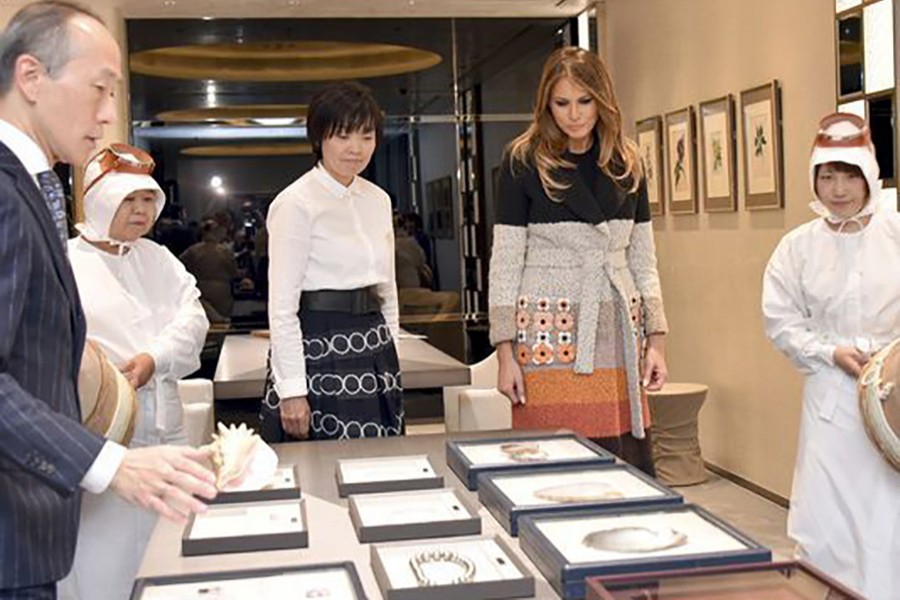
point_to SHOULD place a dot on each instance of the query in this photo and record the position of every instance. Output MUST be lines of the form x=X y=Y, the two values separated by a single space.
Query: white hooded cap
x=843 y=129
x=102 y=200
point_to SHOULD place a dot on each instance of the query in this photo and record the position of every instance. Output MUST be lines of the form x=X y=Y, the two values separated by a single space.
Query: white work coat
x=140 y=301
x=824 y=289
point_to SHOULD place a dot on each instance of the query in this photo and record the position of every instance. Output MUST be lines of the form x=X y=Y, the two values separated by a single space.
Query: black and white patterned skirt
x=352 y=377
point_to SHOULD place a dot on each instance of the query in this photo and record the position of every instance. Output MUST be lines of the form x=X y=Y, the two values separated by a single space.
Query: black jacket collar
x=594 y=204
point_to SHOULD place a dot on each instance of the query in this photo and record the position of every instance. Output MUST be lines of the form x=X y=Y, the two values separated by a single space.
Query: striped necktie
x=52 y=189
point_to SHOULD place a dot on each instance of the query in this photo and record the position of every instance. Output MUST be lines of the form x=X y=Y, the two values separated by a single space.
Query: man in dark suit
x=59 y=67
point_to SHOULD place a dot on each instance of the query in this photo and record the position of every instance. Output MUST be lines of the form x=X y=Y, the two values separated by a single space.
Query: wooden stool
x=673 y=426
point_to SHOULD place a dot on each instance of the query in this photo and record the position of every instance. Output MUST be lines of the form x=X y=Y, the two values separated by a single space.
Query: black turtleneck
x=592 y=196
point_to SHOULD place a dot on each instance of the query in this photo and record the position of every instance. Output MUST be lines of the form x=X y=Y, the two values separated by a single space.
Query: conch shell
x=232 y=452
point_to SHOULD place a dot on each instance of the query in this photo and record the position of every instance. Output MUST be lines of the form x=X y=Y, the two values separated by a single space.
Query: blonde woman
x=575 y=304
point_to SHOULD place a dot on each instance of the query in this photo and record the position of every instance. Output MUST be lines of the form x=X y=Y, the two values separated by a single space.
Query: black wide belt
x=355 y=302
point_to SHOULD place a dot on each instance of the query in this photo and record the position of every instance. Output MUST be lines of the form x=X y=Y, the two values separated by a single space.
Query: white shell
x=635 y=540
x=233 y=451
x=578 y=492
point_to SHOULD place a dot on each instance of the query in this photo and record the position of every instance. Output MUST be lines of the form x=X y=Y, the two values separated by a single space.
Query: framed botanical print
x=762 y=149
x=717 y=152
x=681 y=170
x=649 y=140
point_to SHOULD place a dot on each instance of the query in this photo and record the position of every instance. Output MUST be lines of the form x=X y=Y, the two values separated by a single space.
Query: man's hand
x=139 y=370
x=295 y=417
x=166 y=479
x=850 y=360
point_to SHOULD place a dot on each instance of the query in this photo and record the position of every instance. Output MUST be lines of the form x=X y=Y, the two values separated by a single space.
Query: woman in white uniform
x=831 y=298
x=143 y=309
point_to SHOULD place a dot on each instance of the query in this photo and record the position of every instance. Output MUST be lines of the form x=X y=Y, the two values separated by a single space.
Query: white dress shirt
x=324 y=236
x=104 y=468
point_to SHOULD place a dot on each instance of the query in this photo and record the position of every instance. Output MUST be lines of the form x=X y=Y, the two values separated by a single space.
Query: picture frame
x=568 y=548
x=788 y=579
x=761 y=142
x=247 y=527
x=511 y=496
x=439 y=193
x=649 y=141
x=386 y=474
x=412 y=515
x=285 y=485
x=328 y=580
x=472 y=567
x=718 y=147
x=471 y=458
x=681 y=161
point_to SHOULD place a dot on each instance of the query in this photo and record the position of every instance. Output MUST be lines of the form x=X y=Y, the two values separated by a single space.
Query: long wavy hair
x=543 y=143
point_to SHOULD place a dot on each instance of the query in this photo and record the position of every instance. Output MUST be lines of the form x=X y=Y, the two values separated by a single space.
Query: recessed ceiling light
x=215 y=181
x=296 y=60
x=169 y=3
x=274 y=121
x=207 y=18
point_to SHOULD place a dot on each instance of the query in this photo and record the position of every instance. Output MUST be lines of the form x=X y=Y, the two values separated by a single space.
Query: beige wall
x=665 y=55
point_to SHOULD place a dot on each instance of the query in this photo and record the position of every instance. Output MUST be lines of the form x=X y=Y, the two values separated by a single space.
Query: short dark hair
x=41 y=30
x=342 y=107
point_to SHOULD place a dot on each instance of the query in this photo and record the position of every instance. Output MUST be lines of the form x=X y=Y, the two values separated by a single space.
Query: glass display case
x=770 y=581
x=470 y=458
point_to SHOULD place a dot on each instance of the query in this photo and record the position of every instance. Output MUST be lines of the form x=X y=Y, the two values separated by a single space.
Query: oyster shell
x=524 y=452
x=233 y=449
x=635 y=540
x=578 y=492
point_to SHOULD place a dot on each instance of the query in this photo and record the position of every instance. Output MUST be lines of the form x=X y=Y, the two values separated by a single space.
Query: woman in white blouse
x=333 y=367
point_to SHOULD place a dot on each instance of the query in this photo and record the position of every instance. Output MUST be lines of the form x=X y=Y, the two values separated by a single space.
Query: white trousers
x=113 y=534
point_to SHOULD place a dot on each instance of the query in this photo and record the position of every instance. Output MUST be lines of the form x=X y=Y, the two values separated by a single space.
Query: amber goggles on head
x=860 y=138
x=121 y=158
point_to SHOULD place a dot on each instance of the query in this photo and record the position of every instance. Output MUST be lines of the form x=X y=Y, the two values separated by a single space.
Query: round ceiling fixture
x=282 y=61
x=244 y=114
x=242 y=150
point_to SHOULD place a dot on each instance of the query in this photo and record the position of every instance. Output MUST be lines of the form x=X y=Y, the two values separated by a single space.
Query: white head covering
x=102 y=200
x=842 y=128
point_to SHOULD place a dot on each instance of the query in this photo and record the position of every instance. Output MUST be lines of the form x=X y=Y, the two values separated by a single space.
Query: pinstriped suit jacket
x=44 y=450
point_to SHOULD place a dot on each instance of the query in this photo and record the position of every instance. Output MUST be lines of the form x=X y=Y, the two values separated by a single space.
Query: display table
x=241 y=370
x=331 y=533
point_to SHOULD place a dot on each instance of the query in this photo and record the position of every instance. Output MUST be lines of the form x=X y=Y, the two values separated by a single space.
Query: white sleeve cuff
x=158 y=352
x=291 y=388
x=104 y=468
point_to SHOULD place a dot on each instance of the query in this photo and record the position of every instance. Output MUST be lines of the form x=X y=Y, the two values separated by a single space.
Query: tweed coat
x=574 y=284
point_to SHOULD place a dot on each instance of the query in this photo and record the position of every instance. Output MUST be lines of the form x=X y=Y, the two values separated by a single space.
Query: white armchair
x=477 y=406
x=197 y=398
